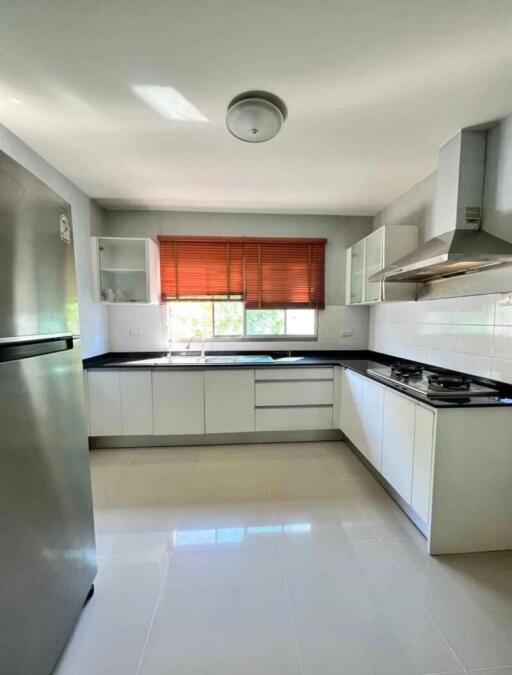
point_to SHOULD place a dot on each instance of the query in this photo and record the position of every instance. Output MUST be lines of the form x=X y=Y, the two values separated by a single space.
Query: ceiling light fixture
x=169 y=103
x=255 y=116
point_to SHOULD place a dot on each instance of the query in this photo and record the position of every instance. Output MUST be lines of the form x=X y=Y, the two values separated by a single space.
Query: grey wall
x=340 y=231
x=497 y=213
x=87 y=220
x=415 y=207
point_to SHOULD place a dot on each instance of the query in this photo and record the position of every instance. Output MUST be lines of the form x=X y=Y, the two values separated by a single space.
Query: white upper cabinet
x=355 y=265
x=373 y=253
x=374 y=259
x=126 y=270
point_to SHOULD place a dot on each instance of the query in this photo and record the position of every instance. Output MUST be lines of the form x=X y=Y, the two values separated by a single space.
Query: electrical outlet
x=135 y=332
x=347 y=333
x=505 y=300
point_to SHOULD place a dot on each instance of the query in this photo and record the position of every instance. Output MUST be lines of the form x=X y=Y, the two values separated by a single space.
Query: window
x=223 y=319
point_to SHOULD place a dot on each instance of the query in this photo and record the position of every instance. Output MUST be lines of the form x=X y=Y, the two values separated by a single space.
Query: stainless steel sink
x=198 y=360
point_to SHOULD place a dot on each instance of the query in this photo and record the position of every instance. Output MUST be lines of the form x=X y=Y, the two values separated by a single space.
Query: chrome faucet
x=192 y=339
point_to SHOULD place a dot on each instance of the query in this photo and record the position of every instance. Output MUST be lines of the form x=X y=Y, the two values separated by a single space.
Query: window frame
x=248 y=338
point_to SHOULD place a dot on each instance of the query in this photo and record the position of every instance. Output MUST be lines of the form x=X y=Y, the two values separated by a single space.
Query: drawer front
x=313 y=392
x=290 y=419
x=297 y=373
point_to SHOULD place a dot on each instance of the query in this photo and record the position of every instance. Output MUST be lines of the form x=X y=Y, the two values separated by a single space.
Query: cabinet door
x=229 y=401
x=104 y=403
x=351 y=392
x=398 y=443
x=422 y=467
x=357 y=272
x=374 y=258
x=372 y=411
x=136 y=402
x=178 y=402
x=122 y=269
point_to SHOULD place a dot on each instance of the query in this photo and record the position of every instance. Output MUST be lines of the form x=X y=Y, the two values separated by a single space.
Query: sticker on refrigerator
x=65 y=229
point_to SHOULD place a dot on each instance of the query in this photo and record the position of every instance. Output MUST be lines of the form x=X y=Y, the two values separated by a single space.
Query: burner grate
x=406 y=370
x=445 y=382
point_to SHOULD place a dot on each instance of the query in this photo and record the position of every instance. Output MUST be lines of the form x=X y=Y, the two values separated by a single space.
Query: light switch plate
x=505 y=300
x=135 y=332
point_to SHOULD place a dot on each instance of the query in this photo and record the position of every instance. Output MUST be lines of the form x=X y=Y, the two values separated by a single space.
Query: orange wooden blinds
x=265 y=273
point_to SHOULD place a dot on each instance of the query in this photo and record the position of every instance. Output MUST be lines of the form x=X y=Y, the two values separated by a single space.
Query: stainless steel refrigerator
x=47 y=548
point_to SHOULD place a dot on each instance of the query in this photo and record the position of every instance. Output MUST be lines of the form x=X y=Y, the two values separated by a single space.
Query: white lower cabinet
x=136 y=402
x=372 y=414
x=120 y=403
x=398 y=443
x=104 y=403
x=294 y=393
x=423 y=457
x=229 y=401
x=395 y=434
x=178 y=402
x=293 y=418
x=351 y=398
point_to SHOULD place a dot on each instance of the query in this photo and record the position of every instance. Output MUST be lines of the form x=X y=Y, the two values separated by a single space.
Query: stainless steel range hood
x=462 y=247
x=451 y=254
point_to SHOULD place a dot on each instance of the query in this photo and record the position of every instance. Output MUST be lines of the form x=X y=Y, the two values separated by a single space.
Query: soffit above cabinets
x=129 y=101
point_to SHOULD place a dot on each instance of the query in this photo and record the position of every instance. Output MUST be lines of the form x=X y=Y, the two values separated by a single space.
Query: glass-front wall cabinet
x=123 y=269
x=370 y=255
x=373 y=264
x=356 y=272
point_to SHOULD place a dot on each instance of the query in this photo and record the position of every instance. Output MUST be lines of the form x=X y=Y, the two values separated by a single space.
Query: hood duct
x=462 y=247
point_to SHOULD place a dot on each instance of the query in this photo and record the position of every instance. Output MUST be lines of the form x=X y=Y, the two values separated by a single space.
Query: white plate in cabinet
x=297 y=373
x=285 y=419
x=229 y=401
x=423 y=456
x=398 y=443
x=136 y=402
x=104 y=403
x=294 y=393
x=178 y=402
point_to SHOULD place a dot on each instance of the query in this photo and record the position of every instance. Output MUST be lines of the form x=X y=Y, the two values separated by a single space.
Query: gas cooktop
x=433 y=384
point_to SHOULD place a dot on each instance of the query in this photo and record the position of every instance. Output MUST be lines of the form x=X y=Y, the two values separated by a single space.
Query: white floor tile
x=112 y=630
x=287 y=559
x=223 y=612
x=355 y=614
x=469 y=596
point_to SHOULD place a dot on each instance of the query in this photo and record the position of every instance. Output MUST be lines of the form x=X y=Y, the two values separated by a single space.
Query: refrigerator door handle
x=14 y=351
x=40 y=337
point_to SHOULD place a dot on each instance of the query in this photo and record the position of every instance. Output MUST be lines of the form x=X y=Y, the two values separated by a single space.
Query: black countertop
x=359 y=361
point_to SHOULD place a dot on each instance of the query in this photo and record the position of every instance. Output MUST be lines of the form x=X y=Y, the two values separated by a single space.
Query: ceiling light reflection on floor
x=169 y=103
x=233 y=535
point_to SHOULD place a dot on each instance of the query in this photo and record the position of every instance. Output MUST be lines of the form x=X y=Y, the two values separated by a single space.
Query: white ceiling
x=372 y=87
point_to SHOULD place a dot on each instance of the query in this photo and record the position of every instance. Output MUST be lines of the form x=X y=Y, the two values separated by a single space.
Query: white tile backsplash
x=150 y=322
x=472 y=334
